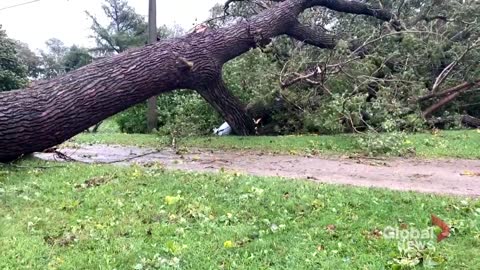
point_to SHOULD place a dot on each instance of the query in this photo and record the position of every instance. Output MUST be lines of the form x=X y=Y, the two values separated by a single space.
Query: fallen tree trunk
x=466 y=120
x=50 y=112
x=470 y=121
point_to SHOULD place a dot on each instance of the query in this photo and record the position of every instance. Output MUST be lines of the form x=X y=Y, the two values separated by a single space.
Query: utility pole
x=152 y=112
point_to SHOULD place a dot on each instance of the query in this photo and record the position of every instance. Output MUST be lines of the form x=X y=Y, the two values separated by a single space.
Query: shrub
x=182 y=112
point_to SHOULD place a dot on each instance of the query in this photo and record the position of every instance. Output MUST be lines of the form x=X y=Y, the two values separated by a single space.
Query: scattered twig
x=70 y=159
x=7 y=165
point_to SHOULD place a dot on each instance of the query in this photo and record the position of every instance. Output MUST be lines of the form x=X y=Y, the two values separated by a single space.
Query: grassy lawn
x=456 y=144
x=104 y=217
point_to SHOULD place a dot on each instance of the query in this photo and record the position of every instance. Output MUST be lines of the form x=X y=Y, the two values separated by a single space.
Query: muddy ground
x=446 y=176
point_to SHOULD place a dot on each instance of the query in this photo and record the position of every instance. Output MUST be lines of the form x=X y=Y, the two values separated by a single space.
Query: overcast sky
x=66 y=20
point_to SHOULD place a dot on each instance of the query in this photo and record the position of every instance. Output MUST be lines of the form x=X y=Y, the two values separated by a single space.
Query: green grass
x=149 y=218
x=444 y=144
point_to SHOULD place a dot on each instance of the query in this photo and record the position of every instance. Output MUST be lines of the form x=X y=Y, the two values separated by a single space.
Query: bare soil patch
x=445 y=176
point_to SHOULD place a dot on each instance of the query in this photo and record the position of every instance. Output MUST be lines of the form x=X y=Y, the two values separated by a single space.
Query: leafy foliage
x=393 y=144
x=29 y=59
x=13 y=73
x=373 y=78
x=126 y=28
x=182 y=113
x=76 y=58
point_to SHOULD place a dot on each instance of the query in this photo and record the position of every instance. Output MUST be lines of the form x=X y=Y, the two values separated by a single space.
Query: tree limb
x=458 y=88
x=451 y=95
x=315 y=37
x=356 y=7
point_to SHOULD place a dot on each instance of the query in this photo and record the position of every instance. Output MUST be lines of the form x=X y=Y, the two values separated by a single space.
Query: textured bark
x=315 y=37
x=470 y=121
x=53 y=111
x=230 y=107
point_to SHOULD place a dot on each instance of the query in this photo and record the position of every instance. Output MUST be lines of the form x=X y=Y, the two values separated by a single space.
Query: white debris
x=223 y=130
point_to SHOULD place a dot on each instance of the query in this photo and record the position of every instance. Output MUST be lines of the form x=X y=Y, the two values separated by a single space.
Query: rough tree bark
x=50 y=112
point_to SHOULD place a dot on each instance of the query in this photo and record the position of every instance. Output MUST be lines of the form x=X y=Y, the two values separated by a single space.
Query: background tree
x=52 y=58
x=76 y=57
x=59 y=59
x=13 y=73
x=29 y=59
x=125 y=29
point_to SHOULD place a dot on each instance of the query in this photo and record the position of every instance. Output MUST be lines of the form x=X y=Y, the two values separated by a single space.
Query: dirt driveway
x=456 y=177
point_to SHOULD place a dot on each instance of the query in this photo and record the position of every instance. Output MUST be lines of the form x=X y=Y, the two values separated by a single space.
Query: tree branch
x=315 y=37
x=452 y=94
x=302 y=77
x=356 y=7
x=457 y=88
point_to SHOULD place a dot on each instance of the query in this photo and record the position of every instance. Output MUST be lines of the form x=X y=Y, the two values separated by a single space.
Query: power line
x=17 y=5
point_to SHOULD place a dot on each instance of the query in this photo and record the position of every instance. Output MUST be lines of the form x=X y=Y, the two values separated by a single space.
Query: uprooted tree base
x=50 y=112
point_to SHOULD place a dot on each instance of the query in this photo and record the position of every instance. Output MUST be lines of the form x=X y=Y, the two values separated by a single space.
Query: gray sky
x=66 y=20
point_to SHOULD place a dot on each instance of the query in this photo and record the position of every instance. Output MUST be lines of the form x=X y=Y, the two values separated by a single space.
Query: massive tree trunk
x=50 y=112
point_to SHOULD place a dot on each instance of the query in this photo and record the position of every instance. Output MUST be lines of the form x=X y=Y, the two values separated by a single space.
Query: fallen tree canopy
x=50 y=112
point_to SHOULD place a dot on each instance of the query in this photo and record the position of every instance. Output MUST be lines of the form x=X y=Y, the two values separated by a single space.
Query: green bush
x=133 y=120
x=182 y=113
x=186 y=113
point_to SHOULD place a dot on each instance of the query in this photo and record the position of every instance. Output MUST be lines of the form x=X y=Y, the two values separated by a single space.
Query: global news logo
x=439 y=231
